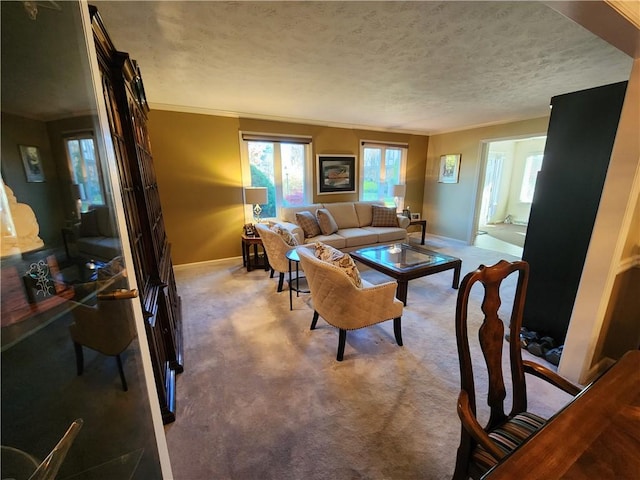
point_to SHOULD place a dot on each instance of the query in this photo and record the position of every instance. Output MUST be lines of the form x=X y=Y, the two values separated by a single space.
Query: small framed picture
x=415 y=216
x=32 y=163
x=249 y=230
x=449 y=168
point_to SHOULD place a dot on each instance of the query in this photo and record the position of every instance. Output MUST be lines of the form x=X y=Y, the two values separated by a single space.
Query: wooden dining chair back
x=481 y=447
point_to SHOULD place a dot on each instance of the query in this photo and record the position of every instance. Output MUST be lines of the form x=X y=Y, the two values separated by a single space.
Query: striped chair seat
x=507 y=437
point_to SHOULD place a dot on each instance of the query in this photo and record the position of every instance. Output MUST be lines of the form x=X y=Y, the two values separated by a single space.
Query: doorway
x=506 y=189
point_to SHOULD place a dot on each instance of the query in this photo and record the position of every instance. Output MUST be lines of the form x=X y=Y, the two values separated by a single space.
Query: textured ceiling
x=422 y=67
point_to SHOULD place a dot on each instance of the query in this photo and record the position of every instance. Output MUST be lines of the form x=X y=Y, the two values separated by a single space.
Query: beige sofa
x=354 y=225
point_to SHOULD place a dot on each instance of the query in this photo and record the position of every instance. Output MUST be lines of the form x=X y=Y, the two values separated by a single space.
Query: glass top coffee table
x=405 y=262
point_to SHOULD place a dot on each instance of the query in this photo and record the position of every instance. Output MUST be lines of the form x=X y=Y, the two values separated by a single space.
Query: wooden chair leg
x=79 y=358
x=121 y=370
x=342 y=338
x=272 y=272
x=280 y=281
x=315 y=320
x=397 y=329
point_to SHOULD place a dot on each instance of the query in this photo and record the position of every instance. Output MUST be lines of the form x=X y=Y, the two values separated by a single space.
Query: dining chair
x=106 y=327
x=482 y=447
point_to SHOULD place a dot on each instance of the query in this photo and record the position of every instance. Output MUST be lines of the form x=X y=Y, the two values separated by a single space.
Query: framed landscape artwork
x=449 y=168
x=32 y=163
x=336 y=174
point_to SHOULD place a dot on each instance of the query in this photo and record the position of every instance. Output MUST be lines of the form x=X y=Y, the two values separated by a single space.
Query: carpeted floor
x=507 y=232
x=262 y=396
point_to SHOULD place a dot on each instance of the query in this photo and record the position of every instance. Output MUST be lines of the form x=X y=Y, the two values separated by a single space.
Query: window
x=381 y=167
x=85 y=170
x=282 y=165
x=532 y=166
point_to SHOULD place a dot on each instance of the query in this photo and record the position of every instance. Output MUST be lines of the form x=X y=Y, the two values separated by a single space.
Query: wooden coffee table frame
x=403 y=275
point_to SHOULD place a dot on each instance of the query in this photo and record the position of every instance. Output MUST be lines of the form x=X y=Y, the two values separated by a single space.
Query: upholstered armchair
x=275 y=248
x=344 y=305
x=106 y=327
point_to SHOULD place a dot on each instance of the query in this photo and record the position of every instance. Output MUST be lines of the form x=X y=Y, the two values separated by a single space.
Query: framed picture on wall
x=336 y=174
x=449 y=168
x=32 y=163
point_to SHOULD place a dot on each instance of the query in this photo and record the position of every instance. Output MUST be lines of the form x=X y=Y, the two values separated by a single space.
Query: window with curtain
x=85 y=169
x=282 y=164
x=382 y=165
x=532 y=166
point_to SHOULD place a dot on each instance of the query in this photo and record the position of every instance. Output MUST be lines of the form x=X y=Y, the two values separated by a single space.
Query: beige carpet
x=262 y=396
x=507 y=232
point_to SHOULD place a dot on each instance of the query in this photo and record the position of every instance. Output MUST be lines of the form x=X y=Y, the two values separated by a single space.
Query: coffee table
x=405 y=262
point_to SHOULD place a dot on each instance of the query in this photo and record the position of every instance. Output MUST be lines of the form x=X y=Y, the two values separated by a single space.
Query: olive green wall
x=44 y=198
x=197 y=160
x=449 y=208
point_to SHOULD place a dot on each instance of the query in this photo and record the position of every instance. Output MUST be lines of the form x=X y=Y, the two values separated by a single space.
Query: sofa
x=96 y=237
x=357 y=226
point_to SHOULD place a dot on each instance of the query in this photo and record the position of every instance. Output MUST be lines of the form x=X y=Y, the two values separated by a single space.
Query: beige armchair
x=107 y=328
x=346 y=306
x=275 y=248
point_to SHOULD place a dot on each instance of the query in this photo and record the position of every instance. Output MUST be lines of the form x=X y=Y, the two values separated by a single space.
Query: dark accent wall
x=582 y=129
x=44 y=198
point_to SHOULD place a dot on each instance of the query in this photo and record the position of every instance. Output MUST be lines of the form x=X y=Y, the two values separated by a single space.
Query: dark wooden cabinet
x=582 y=129
x=127 y=109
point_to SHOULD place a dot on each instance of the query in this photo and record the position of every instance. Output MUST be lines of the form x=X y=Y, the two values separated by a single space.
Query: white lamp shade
x=255 y=195
x=399 y=190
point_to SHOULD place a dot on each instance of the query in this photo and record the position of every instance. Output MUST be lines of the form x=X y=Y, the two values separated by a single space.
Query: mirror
x=60 y=315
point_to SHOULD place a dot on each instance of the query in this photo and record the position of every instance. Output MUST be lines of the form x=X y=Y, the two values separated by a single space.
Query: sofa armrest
x=403 y=222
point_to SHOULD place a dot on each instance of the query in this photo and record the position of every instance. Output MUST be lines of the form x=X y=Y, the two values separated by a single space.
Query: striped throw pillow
x=507 y=437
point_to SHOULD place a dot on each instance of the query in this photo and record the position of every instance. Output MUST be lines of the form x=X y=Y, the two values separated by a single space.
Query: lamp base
x=257 y=210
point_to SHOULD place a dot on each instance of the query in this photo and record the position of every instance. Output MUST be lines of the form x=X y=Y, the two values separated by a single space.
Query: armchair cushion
x=309 y=224
x=342 y=260
x=384 y=217
x=326 y=221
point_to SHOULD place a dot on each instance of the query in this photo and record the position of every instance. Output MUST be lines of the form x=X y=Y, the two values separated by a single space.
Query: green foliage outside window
x=259 y=179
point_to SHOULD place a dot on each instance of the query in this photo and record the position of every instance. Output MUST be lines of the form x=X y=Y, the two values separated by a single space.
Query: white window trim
x=246 y=168
x=383 y=144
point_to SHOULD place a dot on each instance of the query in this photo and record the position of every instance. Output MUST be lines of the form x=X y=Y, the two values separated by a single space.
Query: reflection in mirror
x=70 y=349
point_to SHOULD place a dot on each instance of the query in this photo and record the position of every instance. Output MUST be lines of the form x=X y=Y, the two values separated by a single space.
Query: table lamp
x=398 y=191
x=255 y=196
x=77 y=193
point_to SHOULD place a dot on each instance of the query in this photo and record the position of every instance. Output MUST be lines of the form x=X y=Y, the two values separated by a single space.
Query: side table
x=292 y=256
x=257 y=260
x=423 y=224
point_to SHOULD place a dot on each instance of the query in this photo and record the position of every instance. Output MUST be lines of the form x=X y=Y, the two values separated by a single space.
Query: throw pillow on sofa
x=89 y=224
x=342 y=260
x=308 y=223
x=384 y=217
x=326 y=221
x=285 y=234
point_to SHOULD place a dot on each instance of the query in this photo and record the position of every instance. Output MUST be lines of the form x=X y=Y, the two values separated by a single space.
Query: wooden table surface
x=596 y=436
